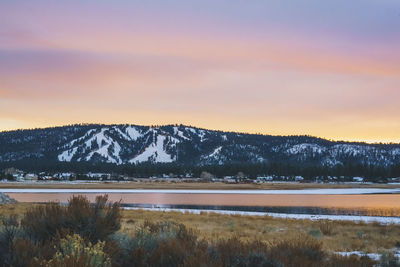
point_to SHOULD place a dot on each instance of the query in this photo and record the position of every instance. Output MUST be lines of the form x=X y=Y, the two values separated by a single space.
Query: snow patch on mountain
x=306 y=148
x=180 y=133
x=133 y=133
x=99 y=143
x=351 y=150
x=155 y=152
x=395 y=152
x=331 y=162
x=87 y=134
x=215 y=152
x=67 y=154
x=215 y=157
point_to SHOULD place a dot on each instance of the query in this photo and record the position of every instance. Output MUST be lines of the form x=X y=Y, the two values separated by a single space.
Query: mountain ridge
x=134 y=144
x=215 y=130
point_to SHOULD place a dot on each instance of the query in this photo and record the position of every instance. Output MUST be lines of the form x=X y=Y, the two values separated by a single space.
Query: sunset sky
x=324 y=68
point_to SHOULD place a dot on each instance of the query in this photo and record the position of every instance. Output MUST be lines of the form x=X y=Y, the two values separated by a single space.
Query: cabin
x=263 y=179
x=358 y=179
x=31 y=177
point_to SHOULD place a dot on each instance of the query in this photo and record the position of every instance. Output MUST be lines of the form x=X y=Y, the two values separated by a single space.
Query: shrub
x=42 y=223
x=25 y=251
x=316 y=233
x=165 y=243
x=73 y=251
x=326 y=227
x=8 y=233
x=93 y=222
x=234 y=252
x=301 y=250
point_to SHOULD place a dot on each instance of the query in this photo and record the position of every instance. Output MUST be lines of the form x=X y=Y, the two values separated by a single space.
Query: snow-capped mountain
x=131 y=144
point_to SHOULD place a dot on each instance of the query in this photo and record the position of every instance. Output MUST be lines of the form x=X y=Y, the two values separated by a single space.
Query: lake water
x=290 y=201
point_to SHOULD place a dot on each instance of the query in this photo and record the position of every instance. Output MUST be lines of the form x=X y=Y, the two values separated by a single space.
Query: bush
x=93 y=222
x=233 y=252
x=326 y=227
x=8 y=233
x=73 y=251
x=42 y=223
x=165 y=243
x=301 y=250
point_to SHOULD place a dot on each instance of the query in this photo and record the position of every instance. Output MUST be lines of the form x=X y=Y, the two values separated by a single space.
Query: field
x=335 y=236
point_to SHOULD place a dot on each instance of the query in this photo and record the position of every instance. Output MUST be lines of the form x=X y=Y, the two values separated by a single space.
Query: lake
x=335 y=201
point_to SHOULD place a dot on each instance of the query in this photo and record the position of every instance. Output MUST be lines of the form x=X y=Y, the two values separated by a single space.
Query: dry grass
x=148 y=184
x=335 y=236
x=11 y=209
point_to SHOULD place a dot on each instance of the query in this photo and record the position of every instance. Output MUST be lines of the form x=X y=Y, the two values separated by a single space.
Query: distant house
x=262 y=179
x=31 y=177
x=64 y=176
x=17 y=175
x=299 y=178
x=12 y=171
x=229 y=179
x=358 y=179
x=102 y=176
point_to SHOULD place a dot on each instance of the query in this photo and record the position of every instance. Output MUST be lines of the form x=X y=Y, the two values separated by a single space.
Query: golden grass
x=148 y=184
x=340 y=236
x=335 y=236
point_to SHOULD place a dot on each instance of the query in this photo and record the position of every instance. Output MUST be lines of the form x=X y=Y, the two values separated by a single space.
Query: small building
x=100 y=176
x=298 y=178
x=64 y=176
x=16 y=174
x=13 y=171
x=30 y=177
x=394 y=180
x=262 y=179
x=358 y=179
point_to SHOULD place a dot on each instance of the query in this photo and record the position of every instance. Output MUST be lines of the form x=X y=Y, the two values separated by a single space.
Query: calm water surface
x=249 y=200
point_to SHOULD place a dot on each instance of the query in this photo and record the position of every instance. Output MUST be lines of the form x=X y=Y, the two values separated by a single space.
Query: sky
x=324 y=68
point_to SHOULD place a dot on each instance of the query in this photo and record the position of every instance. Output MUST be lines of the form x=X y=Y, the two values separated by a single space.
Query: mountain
x=132 y=144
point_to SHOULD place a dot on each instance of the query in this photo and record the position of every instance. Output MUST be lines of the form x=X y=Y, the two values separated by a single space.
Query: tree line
x=310 y=172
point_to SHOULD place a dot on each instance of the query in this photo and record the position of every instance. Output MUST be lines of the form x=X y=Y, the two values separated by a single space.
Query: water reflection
x=245 y=200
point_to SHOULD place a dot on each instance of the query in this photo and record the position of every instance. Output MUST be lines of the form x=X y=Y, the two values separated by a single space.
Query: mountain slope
x=131 y=144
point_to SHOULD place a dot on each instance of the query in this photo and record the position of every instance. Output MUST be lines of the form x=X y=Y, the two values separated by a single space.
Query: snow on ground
x=373 y=256
x=349 y=191
x=365 y=219
x=154 y=151
x=87 y=134
x=67 y=154
x=214 y=153
x=133 y=133
x=303 y=148
x=180 y=133
x=104 y=144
